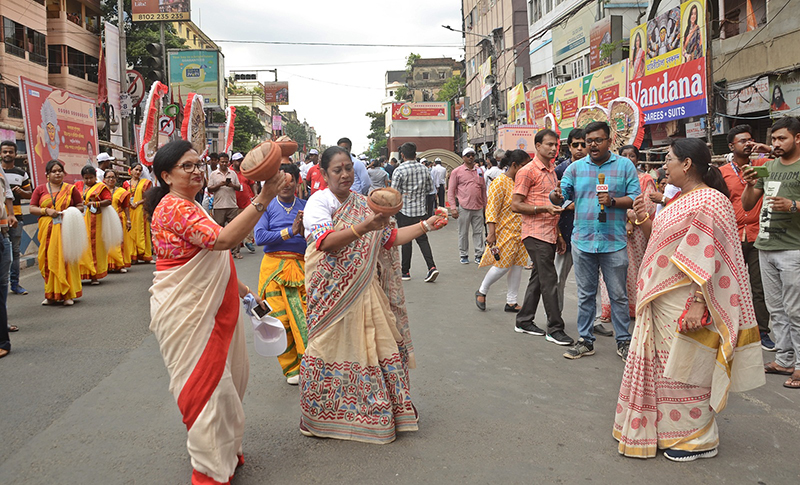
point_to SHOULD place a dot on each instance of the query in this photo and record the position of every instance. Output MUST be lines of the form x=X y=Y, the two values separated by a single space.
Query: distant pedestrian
x=466 y=195
x=493 y=167
x=224 y=184
x=377 y=175
x=439 y=175
x=142 y=242
x=20 y=184
x=391 y=166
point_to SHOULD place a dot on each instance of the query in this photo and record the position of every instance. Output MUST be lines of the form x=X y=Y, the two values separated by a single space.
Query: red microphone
x=600 y=188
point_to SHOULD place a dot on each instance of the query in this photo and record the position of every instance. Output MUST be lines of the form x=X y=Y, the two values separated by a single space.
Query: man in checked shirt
x=413 y=180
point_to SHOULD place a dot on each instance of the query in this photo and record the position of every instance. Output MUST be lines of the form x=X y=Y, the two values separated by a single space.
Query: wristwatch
x=258 y=205
x=793 y=208
x=613 y=202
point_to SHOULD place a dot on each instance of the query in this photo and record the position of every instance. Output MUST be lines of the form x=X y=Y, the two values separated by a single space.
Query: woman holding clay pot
x=358 y=336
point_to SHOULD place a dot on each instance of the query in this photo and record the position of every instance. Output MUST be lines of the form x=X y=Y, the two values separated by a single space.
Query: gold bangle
x=353 y=228
x=285 y=234
x=637 y=222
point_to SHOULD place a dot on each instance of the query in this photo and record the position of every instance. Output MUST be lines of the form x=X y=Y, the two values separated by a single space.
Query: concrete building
x=194 y=37
x=393 y=80
x=429 y=75
x=495 y=29
x=245 y=90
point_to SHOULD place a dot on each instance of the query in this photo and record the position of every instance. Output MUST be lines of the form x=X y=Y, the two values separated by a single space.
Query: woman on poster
x=639 y=56
x=692 y=37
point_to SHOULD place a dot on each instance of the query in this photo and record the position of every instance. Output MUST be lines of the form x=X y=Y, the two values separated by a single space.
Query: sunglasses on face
x=595 y=141
x=578 y=144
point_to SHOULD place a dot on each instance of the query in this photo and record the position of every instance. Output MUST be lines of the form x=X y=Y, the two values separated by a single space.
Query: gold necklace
x=287 y=209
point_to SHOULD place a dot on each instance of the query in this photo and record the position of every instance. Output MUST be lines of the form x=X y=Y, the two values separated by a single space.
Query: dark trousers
x=440 y=195
x=15 y=235
x=543 y=284
x=422 y=242
x=5 y=264
x=754 y=268
x=430 y=202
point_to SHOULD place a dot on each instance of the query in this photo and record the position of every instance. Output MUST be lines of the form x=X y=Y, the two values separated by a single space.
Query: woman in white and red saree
x=696 y=337
x=354 y=382
x=195 y=310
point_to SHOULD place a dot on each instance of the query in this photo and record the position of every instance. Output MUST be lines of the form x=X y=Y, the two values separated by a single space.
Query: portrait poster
x=638 y=51
x=693 y=30
x=537 y=105
x=484 y=70
x=664 y=41
x=784 y=95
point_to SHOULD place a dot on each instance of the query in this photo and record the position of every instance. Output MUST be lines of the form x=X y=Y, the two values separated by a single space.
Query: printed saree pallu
x=62 y=281
x=675 y=383
x=120 y=256
x=196 y=318
x=354 y=379
x=94 y=263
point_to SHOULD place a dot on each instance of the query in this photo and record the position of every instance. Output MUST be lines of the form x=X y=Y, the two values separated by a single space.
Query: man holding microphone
x=603 y=186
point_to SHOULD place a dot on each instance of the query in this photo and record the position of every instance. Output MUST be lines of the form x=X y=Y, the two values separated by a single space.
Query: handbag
x=705 y=320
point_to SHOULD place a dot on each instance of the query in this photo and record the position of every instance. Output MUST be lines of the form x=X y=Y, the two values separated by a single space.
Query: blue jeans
x=15 y=235
x=5 y=263
x=615 y=273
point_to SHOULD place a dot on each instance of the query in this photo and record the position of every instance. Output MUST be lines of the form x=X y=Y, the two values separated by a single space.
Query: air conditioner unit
x=561 y=70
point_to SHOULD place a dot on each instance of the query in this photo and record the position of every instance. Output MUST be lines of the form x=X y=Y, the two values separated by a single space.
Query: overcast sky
x=330 y=87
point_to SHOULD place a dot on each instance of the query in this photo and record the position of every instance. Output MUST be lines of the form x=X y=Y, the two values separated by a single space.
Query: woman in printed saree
x=692 y=37
x=696 y=337
x=196 y=313
x=119 y=257
x=504 y=239
x=354 y=382
x=94 y=263
x=62 y=281
x=141 y=246
x=637 y=242
x=281 y=282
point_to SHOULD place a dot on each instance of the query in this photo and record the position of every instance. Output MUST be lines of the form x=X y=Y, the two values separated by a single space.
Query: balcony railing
x=15 y=50
x=14 y=112
x=51 y=69
x=37 y=58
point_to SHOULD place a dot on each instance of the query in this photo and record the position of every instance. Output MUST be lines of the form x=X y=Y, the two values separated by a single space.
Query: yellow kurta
x=61 y=281
x=94 y=263
x=508 y=226
x=120 y=256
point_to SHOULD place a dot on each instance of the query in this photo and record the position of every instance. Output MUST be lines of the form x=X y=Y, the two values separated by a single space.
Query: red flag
x=752 y=23
x=102 y=86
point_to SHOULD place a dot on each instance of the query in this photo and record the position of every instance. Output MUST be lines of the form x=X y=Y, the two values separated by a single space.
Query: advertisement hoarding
x=748 y=96
x=693 y=30
x=196 y=71
x=517 y=113
x=58 y=125
x=638 y=51
x=664 y=41
x=573 y=36
x=160 y=10
x=603 y=86
x=513 y=137
x=538 y=105
x=679 y=92
x=421 y=111
x=276 y=93
x=784 y=95
x=565 y=99
x=605 y=31
x=484 y=70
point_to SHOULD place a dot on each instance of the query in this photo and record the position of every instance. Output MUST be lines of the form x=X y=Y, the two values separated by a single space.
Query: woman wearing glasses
x=195 y=308
x=62 y=281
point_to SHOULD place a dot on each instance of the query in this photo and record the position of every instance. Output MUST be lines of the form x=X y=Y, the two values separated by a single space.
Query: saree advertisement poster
x=537 y=105
x=565 y=99
x=59 y=125
x=606 y=84
x=663 y=41
x=673 y=94
x=693 y=30
x=638 y=51
x=517 y=112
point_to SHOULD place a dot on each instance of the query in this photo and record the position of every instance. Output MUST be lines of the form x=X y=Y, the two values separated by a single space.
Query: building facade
x=193 y=36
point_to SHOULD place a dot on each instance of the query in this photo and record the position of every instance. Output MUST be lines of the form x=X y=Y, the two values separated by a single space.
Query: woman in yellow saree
x=696 y=336
x=94 y=263
x=354 y=382
x=140 y=238
x=119 y=257
x=196 y=312
x=62 y=281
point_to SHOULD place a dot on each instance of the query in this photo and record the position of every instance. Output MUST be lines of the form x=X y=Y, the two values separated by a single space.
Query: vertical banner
x=638 y=51
x=58 y=125
x=565 y=99
x=113 y=81
x=693 y=30
x=538 y=105
x=483 y=71
x=517 y=114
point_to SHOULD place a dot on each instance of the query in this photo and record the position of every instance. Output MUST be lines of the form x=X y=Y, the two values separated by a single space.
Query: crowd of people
x=692 y=263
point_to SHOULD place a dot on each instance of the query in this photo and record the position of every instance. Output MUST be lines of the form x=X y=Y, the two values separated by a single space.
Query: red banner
x=678 y=92
x=58 y=125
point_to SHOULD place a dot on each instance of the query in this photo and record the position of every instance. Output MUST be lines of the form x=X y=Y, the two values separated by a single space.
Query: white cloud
x=330 y=104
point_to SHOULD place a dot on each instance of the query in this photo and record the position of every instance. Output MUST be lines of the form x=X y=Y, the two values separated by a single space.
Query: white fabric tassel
x=74 y=239
x=112 y=227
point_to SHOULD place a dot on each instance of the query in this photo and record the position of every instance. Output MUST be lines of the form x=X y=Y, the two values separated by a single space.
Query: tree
x=452 y=88
x=410 y=60
x=377 y=133
x=247 y=129
x=401 y=94
x=297 y=132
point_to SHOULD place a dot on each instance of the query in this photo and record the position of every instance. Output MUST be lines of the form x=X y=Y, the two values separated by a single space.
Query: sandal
x=774 y=368
x=13 y=328
x=481 y=304
x=515 y=308
x=793 y=382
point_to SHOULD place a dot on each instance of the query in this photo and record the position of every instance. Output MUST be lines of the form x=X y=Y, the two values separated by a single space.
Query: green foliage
x=452 y=88
x=607 y=49
x=410 y=60
x=247 y=129
x=377 y=133
x=402 y=94
x=297 y=132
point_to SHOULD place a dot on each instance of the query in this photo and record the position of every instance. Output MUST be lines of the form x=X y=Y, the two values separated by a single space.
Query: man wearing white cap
x=103 y=163
x=310 y=161
x=468 y=189
x=439 y=175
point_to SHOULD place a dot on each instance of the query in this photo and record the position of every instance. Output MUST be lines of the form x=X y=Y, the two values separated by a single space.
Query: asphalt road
x=84 y=399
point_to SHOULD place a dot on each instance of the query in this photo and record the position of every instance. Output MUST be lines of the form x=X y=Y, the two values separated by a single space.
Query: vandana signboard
x=679 y=92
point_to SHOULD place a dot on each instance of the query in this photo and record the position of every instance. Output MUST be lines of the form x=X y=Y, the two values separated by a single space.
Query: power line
x=332 y=44
x=244 y=68
x=334 y=83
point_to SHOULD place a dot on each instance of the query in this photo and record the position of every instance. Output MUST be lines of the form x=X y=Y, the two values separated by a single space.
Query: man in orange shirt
x=740 y=142
x=542 y=239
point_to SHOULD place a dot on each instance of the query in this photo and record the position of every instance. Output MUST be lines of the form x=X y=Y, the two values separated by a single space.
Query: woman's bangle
x=637 y=222
x=426 y=226
x=664 y=199
x=535 y=208
x=422 y=226
x=353 y=228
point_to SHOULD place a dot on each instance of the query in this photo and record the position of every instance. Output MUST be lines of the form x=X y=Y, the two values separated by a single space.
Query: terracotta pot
x=387 y=201
x=262 y=162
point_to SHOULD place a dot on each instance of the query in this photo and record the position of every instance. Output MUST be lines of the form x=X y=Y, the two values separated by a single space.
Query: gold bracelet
x=353 y=228
x=285 y=234
x=637 y=222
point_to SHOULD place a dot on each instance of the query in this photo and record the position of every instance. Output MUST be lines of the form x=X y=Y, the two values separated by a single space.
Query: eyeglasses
x=595 y=141
x=189 y=167
x=470 y=155
x=579 y=144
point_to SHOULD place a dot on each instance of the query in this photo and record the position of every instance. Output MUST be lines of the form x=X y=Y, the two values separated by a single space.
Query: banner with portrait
x=638 y=51
x=537 y=105
x=784 y=93
x=693 y=30
x=517 y=113
x=565 y=99
x=664 y=41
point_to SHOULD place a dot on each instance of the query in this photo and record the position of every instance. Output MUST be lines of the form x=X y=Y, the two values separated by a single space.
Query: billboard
x=484 y=70
x=276 y=93
x=196 y=71
x=605 y=31
x=663 y=41
x=748 y=96
x=160 y=10
x=565 y=99
x=679 y=92
x=538 y=105
x=58 y=125
x=603 y=86
x=517 y=113
x=421 y=111
x=513 y=137
x=573 y=36
x=693 y=30
x=784 y=95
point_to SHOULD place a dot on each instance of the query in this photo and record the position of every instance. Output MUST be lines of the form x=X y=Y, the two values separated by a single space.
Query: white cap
x=362 y=157
x=437 y=159
x=269 y=336
x=237 y=156
x=467 y=151
x=104 y=157
x=313 y=151
x=423 y=160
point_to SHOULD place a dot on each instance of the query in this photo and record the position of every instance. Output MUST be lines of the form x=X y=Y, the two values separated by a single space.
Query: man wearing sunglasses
x=468 y=188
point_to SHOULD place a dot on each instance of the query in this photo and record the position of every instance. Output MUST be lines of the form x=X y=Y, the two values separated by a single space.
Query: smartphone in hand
x=261 y=311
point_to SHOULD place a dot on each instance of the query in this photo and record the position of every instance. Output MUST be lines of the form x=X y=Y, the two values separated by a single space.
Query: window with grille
x=37 y=47
x=14 y=37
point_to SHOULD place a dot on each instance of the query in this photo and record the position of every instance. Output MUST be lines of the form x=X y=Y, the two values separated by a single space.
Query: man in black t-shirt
x=20 y=184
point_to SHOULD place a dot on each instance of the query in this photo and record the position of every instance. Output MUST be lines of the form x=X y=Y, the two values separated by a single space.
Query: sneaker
x=406 y=276
x=477 y=260
x=580 y=349
x=680 y=455
x=559 y=337
x=293 y=380
x=464 y=260
x=767 y=343
x=18 y=290
x=433 y=273
x=250 y=247
x=599 y=329
x=530 y=328
x=623 y=348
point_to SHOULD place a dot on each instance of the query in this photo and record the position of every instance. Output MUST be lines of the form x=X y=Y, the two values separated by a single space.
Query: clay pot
x=262 y=162
x=288 y=147
x=387 y=201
